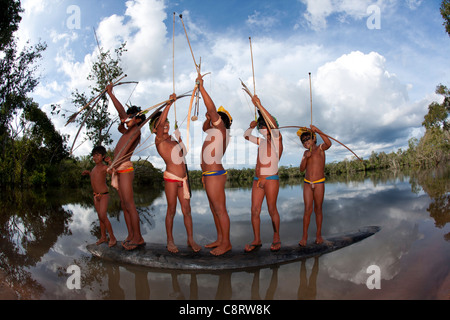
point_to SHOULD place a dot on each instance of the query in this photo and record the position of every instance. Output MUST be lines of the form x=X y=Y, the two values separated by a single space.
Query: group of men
x=214 y=176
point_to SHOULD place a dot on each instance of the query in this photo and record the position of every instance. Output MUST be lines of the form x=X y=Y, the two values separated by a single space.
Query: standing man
x=176 y=183
x=266 y=182
x=313 y=162
x=123 y=171
x=214 y=176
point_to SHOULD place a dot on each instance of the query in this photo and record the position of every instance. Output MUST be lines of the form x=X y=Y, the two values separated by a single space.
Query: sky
x=374 y=66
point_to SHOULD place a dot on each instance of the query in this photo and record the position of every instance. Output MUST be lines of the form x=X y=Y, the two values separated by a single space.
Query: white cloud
x=143 y=28
x=317 y=11
x=258 y=20
x=33 y=7
x=356 y=97
x=360 y=100
x=413 y=4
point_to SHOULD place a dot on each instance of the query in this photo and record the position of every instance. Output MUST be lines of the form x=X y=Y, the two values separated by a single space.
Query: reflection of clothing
x=170 y=177
x=125 y=167
x=215 y=173
x=315 y=182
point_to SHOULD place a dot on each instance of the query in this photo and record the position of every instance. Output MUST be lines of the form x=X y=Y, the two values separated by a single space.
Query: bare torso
x=98 y=178
x=269 y=154
x=214 y=148
x=172 y=154
x=315 y=164
x=124 y=149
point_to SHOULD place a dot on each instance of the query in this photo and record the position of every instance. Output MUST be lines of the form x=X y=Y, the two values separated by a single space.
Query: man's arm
x=258 y=104
x=248 y=133
x=210 y=106
x=207 y=123
x=326 y=141
x=117 y=104
x=304 y=161
x=163 y=117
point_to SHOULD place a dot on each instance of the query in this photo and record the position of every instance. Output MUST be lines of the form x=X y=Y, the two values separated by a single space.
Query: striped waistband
x=215 y=173
x=315 y=182
x=131 y=169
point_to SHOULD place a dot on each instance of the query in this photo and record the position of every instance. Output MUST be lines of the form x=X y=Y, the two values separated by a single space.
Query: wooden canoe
x=156 y=255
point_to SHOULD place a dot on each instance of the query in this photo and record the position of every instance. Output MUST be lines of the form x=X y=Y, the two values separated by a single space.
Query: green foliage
x=9 y=20
x=146 y=174
x=27 y=137
x=18 y=69
x=445 y=12
x=434 y=147
x=96 y=118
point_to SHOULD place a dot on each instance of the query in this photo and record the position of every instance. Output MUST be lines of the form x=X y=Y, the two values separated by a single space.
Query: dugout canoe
x=156 y=255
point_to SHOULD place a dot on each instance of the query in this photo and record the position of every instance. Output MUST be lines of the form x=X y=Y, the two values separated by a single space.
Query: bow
x=157 y=107
x=91 y=108
x=308 y=129
x=195 y=93
x=270 y=124
x=74 y=116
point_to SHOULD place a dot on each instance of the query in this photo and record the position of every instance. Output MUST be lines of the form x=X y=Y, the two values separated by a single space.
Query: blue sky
x=371 y=87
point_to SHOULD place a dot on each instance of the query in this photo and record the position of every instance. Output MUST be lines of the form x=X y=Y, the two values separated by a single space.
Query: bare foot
x=112 y=242
x=302 y=242
x=220 y=250
x=101 y=240
x=214 y=244
x=319 y=240
x=129 y=245
x=172 y=247
x=194 y=246
x=275 y=246
x=252 y=247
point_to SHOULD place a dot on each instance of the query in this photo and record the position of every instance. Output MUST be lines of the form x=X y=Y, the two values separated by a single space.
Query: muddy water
x=43 y=233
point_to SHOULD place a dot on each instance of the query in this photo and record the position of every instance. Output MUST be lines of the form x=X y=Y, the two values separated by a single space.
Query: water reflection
x=42 y=233
x=149 y=284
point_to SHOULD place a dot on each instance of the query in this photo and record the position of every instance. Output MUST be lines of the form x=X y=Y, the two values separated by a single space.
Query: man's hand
x=199 y=81
x=256 y=100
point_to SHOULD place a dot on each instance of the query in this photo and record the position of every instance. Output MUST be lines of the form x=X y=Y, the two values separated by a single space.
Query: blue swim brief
x=214 y=173
x=275 y=177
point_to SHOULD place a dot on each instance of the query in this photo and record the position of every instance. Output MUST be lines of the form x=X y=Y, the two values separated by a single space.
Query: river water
x=43 y=233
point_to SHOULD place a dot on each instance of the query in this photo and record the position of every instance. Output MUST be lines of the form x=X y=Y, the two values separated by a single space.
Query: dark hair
x=261 y=122
x=133 y=110
x=307 y=134
x=225 y=119
x=154 y=120
x=100 y=150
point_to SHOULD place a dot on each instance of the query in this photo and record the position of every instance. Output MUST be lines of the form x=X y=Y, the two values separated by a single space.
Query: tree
x=17 y=71
x=445 y=12
x=98 y=121
x=437 y=116
x=9 y=20
x=434 y=146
